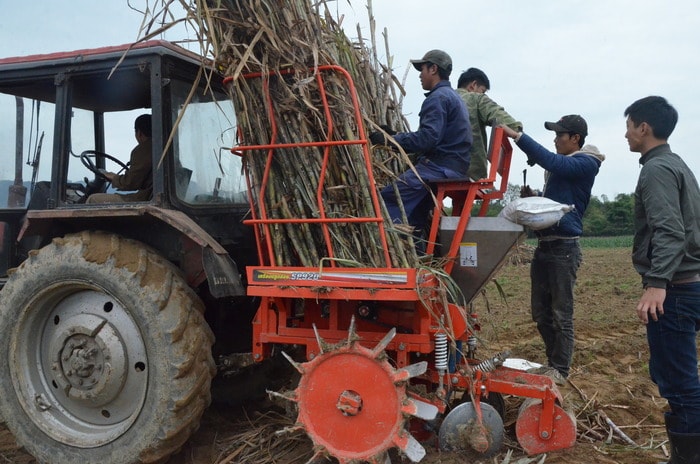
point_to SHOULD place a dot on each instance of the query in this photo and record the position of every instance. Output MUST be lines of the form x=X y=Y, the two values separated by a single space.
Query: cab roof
x=107 y=78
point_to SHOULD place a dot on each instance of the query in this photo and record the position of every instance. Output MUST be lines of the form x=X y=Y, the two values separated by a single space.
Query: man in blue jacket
x=569 y=177
x=442 y=142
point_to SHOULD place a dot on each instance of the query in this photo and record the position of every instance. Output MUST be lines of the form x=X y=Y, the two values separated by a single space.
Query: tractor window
x=26 y=141
x=118 y=140
x=207 y=172
x=119 y=135
x=82 y=137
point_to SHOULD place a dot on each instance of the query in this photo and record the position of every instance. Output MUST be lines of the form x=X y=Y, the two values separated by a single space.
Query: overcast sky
x=545 y=59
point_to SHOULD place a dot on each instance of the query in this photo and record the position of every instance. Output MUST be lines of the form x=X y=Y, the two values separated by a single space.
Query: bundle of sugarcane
x=283 y=44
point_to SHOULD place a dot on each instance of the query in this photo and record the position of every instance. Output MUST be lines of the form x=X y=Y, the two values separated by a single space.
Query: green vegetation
x=620 y=241
x=610 y=217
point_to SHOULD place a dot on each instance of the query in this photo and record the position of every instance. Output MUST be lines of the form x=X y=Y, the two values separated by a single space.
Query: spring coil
x=485 y=366
x=471 y=343
x=492 y=363
x=441 y=351
x=471 y=346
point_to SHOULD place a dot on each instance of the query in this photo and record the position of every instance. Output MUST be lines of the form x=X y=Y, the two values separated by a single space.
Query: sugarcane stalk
x=244 y=36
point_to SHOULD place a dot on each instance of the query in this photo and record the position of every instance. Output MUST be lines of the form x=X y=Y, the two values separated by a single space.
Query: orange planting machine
x=387 y=360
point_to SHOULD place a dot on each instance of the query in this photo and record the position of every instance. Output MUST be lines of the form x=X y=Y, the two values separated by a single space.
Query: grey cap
x=438 y=57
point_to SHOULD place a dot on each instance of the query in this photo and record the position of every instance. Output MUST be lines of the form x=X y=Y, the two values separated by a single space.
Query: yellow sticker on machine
x=467 y=254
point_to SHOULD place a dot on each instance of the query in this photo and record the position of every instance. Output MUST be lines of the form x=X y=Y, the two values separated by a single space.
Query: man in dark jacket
x=442 y=142
x=666 y=253
x=569 y=177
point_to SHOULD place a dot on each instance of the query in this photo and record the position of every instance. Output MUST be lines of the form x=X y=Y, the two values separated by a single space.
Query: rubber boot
x=669 y=422
x=685 y=447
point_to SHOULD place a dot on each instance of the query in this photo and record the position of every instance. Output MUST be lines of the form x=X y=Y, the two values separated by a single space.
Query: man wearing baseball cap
x=569 y=177
x=437 y=57
x=442 y=143
x=572 y=124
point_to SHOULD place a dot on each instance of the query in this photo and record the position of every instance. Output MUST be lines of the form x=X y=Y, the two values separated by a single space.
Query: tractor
x=115 y=317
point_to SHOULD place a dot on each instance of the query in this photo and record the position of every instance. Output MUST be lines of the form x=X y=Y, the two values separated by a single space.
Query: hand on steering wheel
x=86 y=159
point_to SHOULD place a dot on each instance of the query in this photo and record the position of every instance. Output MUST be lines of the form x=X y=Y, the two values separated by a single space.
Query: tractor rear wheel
x=106 y=355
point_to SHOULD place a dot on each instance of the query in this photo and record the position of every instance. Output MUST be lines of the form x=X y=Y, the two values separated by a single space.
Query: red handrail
x=260 y=217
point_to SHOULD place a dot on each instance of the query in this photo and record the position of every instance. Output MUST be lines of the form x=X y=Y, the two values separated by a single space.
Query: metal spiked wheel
x=353 y=404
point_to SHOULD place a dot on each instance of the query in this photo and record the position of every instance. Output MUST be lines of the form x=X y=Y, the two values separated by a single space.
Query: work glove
x=388 y=130
x=378 y=138
x=526 y=191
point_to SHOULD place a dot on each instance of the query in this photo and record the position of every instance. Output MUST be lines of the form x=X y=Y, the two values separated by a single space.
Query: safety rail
x=465 y=192
x=261 y=219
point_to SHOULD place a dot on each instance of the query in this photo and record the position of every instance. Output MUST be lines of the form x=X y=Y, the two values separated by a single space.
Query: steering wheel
x=86 y=159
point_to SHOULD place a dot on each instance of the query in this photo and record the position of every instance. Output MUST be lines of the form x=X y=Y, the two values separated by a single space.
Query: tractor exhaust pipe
x=18 y=192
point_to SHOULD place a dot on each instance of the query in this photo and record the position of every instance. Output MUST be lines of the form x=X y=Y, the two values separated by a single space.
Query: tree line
x=604 y=217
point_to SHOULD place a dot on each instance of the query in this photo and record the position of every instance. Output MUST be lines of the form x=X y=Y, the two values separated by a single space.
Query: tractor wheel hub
x=90 y=359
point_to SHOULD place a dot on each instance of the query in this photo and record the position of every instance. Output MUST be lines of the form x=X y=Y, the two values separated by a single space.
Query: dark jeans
x=415 y=194
x=553 y=275
x=673 y=360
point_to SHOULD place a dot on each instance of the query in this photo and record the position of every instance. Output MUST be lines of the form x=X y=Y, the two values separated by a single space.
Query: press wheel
x=533 y=441
x=461 y=430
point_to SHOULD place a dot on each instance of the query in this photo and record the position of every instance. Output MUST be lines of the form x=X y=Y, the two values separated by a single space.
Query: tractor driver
x=138 y=176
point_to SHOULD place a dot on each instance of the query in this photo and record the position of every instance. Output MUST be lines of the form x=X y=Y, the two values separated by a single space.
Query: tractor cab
x=111 y=313
x=68 y=117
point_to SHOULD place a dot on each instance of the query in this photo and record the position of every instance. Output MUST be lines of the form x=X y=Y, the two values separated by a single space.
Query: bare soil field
x=618 y=410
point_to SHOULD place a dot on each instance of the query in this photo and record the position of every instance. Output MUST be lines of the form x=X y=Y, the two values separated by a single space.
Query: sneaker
x=550 y=372
x=555 y=375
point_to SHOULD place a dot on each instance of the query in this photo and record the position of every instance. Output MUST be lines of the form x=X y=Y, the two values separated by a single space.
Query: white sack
x=535 y=212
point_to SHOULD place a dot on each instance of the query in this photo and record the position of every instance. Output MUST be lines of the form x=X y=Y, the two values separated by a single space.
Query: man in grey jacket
x=666 y=253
